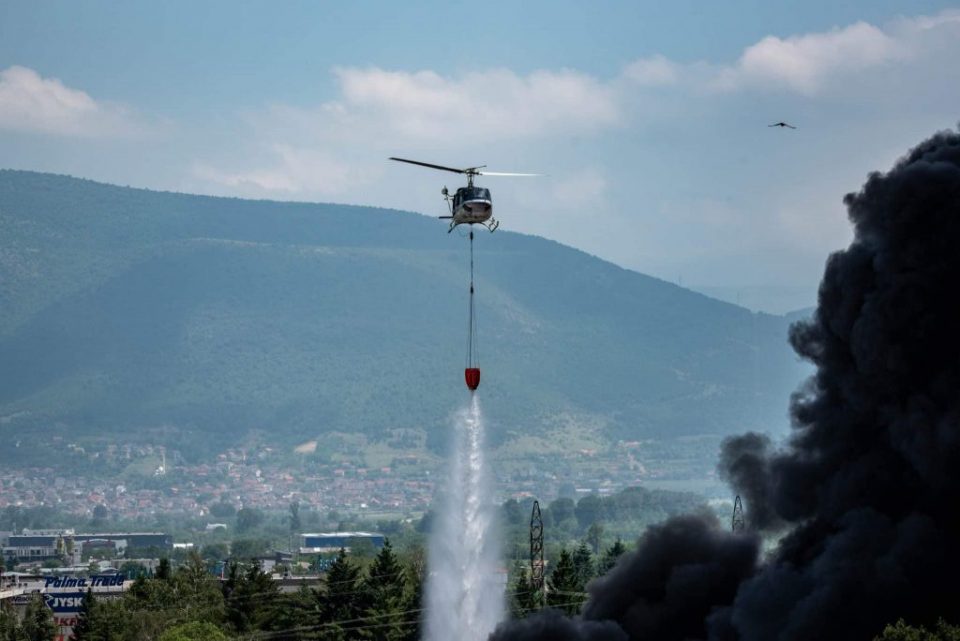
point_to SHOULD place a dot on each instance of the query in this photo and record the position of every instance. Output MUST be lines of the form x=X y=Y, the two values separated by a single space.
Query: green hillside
x=159 y=315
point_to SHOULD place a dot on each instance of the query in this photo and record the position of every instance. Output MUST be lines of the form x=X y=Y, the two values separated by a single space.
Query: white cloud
x=294 y=170
x=32 y=103
x=654 y=71
x=322 y=151
x=812 y=64
x=490 y=105
x=803 y=63
x=529 y=122
x=483 y=106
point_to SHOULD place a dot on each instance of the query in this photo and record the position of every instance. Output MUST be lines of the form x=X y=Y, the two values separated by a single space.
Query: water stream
x=464 y=592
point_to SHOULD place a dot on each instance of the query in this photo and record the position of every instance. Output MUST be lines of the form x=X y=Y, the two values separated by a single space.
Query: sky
x=647 y=119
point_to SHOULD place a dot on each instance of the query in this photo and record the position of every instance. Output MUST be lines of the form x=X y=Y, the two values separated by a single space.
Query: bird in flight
x=781 y=124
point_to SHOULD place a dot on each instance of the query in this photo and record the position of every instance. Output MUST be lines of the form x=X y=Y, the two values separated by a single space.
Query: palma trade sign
x=70 y=601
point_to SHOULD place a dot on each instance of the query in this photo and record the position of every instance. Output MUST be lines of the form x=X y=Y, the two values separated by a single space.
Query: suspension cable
x=473 y=313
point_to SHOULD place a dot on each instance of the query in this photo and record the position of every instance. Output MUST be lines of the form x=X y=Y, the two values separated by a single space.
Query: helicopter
x=470 y=205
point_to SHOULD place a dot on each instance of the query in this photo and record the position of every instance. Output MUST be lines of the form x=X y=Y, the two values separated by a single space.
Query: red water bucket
x=472 y=375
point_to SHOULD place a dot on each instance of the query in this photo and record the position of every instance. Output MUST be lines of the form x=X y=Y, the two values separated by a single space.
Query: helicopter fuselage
x=471 y=206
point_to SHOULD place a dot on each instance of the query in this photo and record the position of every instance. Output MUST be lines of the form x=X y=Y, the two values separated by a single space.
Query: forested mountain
x=141 y=313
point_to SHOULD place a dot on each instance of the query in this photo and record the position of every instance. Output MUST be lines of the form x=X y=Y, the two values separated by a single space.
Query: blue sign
x=63 y=602
x=95 y=581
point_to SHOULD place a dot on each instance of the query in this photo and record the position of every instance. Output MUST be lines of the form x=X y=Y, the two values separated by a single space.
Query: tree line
x=379 y=602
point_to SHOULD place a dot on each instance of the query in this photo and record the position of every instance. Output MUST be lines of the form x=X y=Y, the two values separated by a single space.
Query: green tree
x=295 y=524
x=362 y=549
x=523 y=598
x=151 y=605
x=87 y=623
x=610 y=556
x=150 y=594
x=214 y=552
x=561 y=510
x=250 y=597
x=99 y=516
x=341 y=598
x=385 y=588
x=223 y=510
x=417 y=576
x=563 y=585
x=900 y=631
x=595 y=536
x=248 y=519
x=589 y=510
x=249 y=548
x=295 y=617
x=512 y=512
x=86 y=618
x=164 y=571
x=198 y=593
x=110 y=622
x=583 y=562
x=132 y=569
x=194 y=631
x=10 y=628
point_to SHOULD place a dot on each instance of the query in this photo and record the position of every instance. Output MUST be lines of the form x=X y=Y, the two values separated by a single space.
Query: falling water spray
x=464 y=592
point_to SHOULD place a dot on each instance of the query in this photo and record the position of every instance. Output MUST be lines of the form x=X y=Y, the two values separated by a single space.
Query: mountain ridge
x=125 y=308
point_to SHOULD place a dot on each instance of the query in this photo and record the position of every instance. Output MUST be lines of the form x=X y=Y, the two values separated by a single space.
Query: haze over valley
x=205 y=324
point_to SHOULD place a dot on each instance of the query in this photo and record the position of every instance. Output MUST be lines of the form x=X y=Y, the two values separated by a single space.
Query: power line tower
x=738 y=523
x=536 y=555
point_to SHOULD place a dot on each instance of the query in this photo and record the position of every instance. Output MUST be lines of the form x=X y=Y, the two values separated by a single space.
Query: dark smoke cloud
x=745 y=465
x=552 y=624
x=683 y=570
x=870 y=477
x=869 y=481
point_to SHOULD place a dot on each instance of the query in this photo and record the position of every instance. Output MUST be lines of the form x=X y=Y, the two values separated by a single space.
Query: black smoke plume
x=867 y=488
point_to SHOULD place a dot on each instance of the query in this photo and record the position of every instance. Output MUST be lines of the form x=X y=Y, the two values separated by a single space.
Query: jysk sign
x=70 y=603
x=64 y=601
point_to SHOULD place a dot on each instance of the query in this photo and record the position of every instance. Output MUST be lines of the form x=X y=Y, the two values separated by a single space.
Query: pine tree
x=594 y=535
x=197 y=591
x=583 y=562
x=10 y=628
x=414 y=602
x=385 y=587
x=524 y=599
x=86 y=618
x=295 y=517
x=164 y=572
x=257 y=597
x=38 y=620
x=294 y=617
x=563 y=586
x=610 y=556
x=193 y=631
x=342 y=599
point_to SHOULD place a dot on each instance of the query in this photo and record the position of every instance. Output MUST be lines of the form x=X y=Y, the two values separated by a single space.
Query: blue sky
x=649 y=118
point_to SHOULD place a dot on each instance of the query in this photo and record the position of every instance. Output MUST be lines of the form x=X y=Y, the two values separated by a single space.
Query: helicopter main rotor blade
x=501 y=173
x=426 y=164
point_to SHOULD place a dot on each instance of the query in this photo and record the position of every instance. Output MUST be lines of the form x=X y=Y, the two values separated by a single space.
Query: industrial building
x=324 y=542
x=37 y=545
